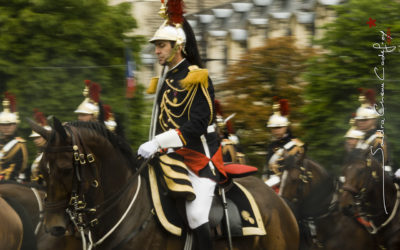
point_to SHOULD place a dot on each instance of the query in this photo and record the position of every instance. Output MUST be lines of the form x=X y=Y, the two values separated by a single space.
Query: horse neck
x=384 y=198
x=137 y=204
x=321 y=191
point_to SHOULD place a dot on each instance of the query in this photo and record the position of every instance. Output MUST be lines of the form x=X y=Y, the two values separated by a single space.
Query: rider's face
x=8 y=129
x=351 y=143
x=85 y=117
x=278 y=132
x=163 y=50
x=366 y=124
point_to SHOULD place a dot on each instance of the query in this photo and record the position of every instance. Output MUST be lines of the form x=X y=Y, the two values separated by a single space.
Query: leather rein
x=83 y=217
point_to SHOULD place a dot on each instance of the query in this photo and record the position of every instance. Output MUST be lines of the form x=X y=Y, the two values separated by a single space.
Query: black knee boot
x=202 y=237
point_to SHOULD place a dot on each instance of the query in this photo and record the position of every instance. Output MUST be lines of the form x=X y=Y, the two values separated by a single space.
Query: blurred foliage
x=48 y=48
x=261 y=74
x=347 y=63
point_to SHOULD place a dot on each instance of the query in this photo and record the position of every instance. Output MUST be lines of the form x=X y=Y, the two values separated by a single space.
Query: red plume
x=370 y=96
x=94 y=92
x=360 y=90
x=275 y=98
x=87 y=83
x=284 y=107
x=107 y=112
x=175 y=11
x=353 y=115
x=218 y=108
x=13 y=101
x=40 y=118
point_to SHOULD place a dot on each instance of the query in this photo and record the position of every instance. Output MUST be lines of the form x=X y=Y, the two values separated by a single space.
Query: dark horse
x=30 y=200
x=311 y=193
x=92 y=181
x=372 y=198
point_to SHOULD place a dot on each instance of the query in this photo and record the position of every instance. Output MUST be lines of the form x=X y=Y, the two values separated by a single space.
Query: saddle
x=244 y=215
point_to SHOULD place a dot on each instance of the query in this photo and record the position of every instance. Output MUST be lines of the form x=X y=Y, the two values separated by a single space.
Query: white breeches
x=197 y=210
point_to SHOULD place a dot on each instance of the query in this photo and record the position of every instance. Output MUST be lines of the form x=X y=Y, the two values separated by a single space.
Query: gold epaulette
x=152 y=86
x=20 y=139
x=298 y=142
x=195 y=75
x=379 y=134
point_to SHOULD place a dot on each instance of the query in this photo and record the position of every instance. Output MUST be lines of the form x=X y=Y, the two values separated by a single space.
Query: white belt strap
x=207 y=152
x=7 y=147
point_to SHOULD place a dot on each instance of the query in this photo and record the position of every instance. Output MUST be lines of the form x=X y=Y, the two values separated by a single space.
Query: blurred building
x=226 y=30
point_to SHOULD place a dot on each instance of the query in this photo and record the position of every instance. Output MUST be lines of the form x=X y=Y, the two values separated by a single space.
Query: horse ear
x=39 y=129
x=59 y=128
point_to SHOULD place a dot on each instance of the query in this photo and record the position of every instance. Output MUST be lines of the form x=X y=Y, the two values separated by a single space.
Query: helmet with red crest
x=281 y=112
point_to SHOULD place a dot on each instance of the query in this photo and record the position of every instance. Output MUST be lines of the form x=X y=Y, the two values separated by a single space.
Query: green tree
x=261 y=74
x=48 y=48
x=347 y=64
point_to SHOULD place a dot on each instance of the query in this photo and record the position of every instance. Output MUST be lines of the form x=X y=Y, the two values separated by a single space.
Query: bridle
x=359 y=206
x=85 y=217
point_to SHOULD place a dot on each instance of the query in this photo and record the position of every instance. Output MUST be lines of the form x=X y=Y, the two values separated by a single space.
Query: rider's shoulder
x=196 y=75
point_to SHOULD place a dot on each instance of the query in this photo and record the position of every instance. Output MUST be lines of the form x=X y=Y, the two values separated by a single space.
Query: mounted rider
x=90 y=109
x=40 y=144
x=13 y=152
x=229 y=141
x=282 y=142
x=183 y=116
x=374 y=138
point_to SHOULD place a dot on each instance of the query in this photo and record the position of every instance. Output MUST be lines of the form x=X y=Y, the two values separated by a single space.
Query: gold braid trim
x=152 y=86
x=195 y=75
x=210 y=103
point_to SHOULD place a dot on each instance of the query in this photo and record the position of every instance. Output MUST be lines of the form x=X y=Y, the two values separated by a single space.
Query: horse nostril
x=57 y=231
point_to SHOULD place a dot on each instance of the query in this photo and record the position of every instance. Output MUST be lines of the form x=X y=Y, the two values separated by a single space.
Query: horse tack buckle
x=90 y=158
x=82 y=159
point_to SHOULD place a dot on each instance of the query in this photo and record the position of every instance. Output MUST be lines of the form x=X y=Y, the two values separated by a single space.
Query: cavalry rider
x=40 y=143
x=229 y=141
x=282 y=142
x=366 y=121
x=13 y=152
x=90 y=109
x=183 y=119
x=352 y=137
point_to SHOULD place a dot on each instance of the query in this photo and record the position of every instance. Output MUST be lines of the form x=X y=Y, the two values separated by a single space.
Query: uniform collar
x=177 y=65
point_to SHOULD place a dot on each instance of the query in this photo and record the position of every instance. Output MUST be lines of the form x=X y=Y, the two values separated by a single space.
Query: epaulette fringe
x=152 y=86
x=195 y=75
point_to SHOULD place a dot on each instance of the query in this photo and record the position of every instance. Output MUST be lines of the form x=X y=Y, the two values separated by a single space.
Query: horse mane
x=99 y=129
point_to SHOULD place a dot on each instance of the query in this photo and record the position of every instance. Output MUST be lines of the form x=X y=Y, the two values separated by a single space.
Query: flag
x=130 y=75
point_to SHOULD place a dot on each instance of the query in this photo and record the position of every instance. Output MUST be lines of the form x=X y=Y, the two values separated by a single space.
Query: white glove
x=397 y=173
x=147 y=149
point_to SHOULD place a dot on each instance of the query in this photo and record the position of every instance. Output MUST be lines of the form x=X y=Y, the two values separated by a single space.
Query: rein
x=40 y=205
x=359 y=202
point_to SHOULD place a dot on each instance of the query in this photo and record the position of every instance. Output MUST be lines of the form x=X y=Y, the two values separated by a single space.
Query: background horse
x=11 y=229
x=30 y=200
x=92 y=180
x=311 y=193
x=370 y=197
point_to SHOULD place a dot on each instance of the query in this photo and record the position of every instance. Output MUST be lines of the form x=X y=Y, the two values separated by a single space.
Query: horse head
x=366 y=184
x=306 y=186
x=76 y=157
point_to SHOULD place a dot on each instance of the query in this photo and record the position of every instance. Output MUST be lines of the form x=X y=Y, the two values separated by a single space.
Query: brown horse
x=11 y=229
x=93 y=181
x=311 y=193
x=372 y=198
x=31 y=200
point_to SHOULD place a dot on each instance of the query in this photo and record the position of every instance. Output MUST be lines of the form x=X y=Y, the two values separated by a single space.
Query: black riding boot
x=202 y=237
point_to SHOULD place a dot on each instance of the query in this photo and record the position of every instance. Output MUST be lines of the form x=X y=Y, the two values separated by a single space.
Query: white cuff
x=169 y=139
